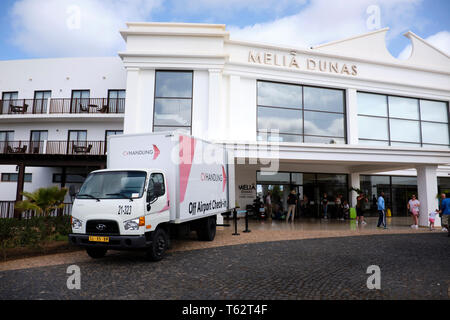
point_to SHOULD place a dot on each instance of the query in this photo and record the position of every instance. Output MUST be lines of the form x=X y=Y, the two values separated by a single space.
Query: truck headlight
x=134 y=224
x=76 y=223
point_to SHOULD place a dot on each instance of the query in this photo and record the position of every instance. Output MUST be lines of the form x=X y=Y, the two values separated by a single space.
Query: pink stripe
x=187 y=147
x=168 y=200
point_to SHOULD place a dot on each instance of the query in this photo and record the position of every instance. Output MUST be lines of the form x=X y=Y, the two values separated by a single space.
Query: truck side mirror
x=155 y=192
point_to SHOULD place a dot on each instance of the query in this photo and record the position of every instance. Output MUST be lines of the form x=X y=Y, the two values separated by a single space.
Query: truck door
x=157 y=194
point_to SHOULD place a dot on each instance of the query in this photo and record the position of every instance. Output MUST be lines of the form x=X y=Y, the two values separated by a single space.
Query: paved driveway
x=413 y=266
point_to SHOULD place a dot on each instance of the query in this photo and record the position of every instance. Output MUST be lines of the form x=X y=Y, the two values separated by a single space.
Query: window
x=111 y=133
x=77 y=139
x=113 y=185
x=7 y=99
x=5 y=138
x=399 y=121
x=156 y=178
x=70 y=178
x=37 y=138
x=116 y=101
x=79 y=98
x=77 y=135
x=173 y=101
x=300 y=113
x=40 y=101
x=13 y=177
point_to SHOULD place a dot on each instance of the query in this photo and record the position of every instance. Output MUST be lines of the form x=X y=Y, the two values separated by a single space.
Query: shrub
x=35 y=232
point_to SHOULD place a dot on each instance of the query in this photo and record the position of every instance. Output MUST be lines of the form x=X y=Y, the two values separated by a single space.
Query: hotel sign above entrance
x=293 y=61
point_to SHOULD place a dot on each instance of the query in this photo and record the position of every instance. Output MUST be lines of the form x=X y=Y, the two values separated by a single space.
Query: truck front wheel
x=158 y=246
x=206 y=231
x=96 y=252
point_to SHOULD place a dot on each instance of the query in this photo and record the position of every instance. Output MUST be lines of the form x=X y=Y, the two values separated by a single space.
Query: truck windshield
x=113 y=185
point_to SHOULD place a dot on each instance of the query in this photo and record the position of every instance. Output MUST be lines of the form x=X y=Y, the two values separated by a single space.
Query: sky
x=72 y=28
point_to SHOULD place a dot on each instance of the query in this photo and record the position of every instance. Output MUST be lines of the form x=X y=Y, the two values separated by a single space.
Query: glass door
x=37 y=140
x=77 y=141
x=41 y=101
x=80 y=101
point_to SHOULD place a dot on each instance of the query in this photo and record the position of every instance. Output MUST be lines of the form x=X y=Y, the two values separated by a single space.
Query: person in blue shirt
x=381 y=211
x=445 y=210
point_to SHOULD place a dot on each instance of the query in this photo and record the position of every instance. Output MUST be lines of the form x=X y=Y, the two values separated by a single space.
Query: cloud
x=323 y=20
x=221 y=7
x=440 y=40
x=52 y=28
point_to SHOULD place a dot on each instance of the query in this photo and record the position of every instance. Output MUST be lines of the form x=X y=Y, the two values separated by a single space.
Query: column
x=132 y=102
x=216 y=116
x=352 y=116
x=427 y=192
x=20 y=184
x=354 y=183
x=237 y=120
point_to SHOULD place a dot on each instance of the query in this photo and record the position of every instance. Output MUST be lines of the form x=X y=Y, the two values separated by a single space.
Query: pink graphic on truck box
x=167 y=206
x=187 y=147
x=224 y=179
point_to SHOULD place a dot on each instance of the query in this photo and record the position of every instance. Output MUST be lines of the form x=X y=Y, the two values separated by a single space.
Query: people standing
x=346 y=209
x=445 y=208
x=432 y=217
x=413 y=207
x=381 y=211
x=338 y=206
x=292 y=202
x=325 y=205
x=443 y=196
x=360 y=200
x=269 y=204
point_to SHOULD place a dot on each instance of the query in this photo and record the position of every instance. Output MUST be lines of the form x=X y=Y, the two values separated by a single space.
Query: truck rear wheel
x=96 y=253
x=159 y=245
x=206 y=230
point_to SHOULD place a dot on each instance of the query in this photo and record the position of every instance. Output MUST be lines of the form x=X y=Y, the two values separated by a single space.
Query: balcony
x=72 y=148
x=63 y=106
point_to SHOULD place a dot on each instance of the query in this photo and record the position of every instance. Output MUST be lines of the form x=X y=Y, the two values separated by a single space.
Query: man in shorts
x=445 y=209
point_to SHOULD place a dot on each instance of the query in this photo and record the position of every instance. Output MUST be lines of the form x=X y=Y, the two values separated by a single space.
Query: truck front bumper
x=114 y=242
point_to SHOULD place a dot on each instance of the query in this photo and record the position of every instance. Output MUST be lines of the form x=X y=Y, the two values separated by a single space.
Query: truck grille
x=106 y=227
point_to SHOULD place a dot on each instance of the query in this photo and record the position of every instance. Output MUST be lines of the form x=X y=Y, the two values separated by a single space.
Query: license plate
x=98 y=239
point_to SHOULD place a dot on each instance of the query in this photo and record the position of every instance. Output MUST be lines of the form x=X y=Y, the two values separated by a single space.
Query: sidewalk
x=261 y=231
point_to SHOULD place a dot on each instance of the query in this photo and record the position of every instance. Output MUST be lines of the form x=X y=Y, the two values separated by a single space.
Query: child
x=346 y=209
x=432 y=217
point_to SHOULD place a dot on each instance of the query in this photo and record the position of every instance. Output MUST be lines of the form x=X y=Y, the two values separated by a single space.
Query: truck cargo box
x=200 y=174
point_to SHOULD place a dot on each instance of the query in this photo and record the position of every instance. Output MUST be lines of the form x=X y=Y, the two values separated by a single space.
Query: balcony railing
x=24 y=106
x=63 y=106
x=94 y=105
x=54 y=147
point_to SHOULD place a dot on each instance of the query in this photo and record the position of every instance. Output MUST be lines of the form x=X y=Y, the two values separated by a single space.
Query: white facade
x=61 y=77
x=225 y=98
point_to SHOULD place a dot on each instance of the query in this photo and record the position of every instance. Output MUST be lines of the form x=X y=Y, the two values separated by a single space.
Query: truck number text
x=124 y=210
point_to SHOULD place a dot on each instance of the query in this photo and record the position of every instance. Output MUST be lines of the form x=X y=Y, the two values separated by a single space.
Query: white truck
x=156 y=185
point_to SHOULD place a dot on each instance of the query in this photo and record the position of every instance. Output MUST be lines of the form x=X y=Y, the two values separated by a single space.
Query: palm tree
x=43 y=201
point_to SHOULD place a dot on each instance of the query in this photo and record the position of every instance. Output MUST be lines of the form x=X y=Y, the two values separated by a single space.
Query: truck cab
x=122 y=209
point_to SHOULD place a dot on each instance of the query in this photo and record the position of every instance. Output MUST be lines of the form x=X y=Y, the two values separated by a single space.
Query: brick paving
x=413 y=266
x=260 y=232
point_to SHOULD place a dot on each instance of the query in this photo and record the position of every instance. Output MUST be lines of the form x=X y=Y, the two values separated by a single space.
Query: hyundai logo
x=100 y=227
